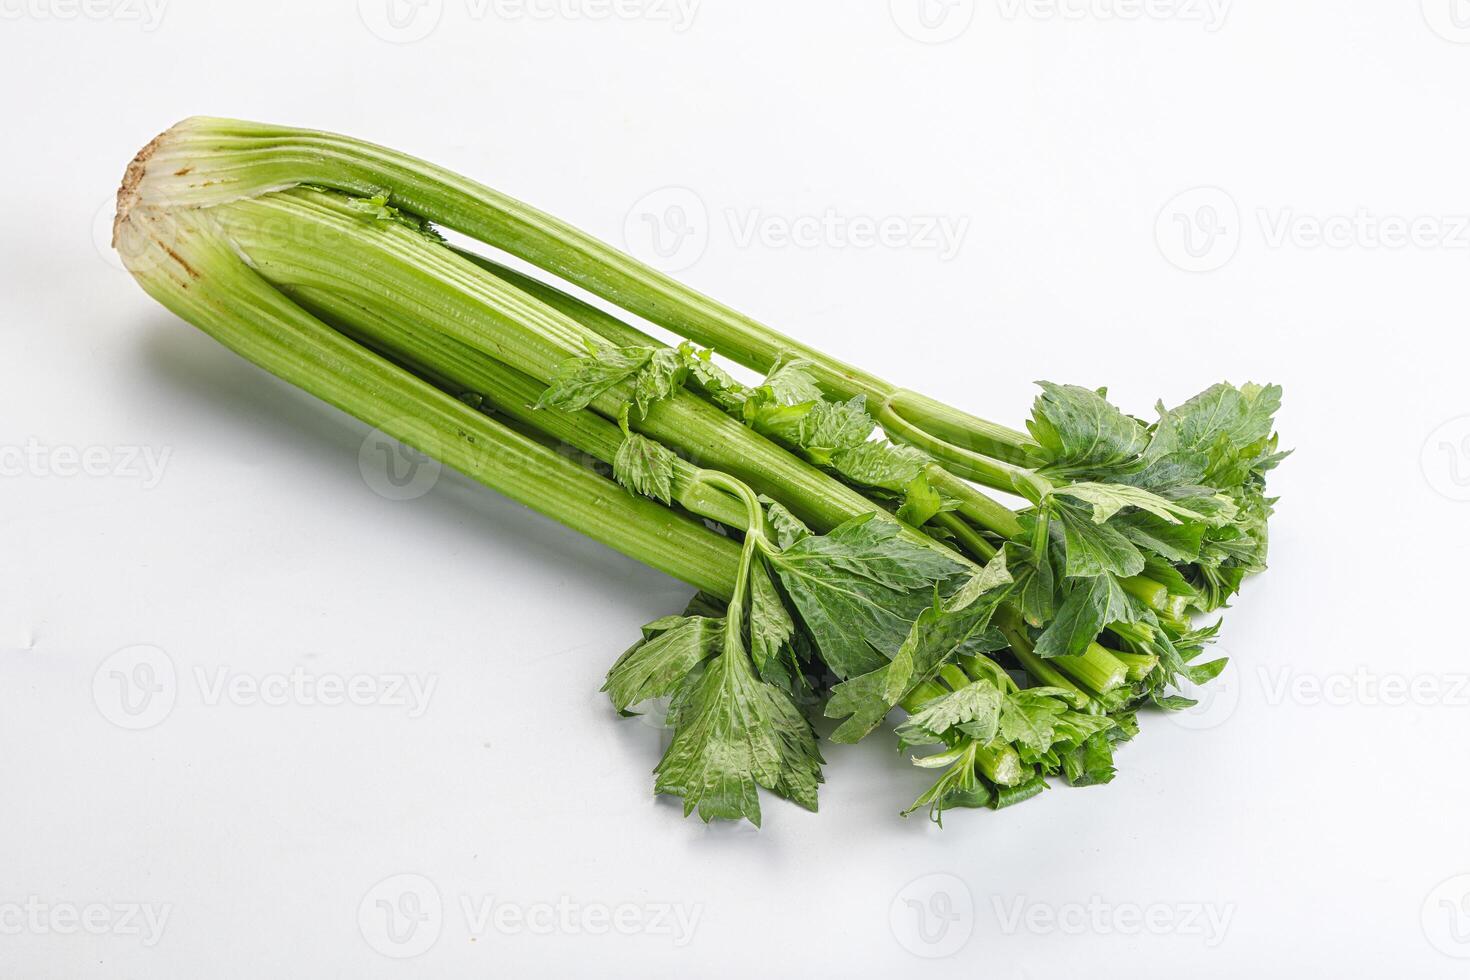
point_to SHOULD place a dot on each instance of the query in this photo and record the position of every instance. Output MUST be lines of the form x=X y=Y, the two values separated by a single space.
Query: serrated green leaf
x=1107 y=499
x=831 y=427
x=960 y=786
x=579 y=381
x=1095 y=549
x=945 y=630
x=733 y=733
x=775 y=419
x=708 y=375
x=771 y=627
x=1176 y=542
x=859 y=588
x=663 y=375
x=1239 y=416
x=920 y=502
x=995 y=574
x=645 y=466
x=974 y=709
x=1078 y=431
x=791 y=383
x=881 y=464
x=787 y=526
x=877 y=549
x=861 y=702
x=1028 y=720
x=1035 y=591
x=657 y=666
x=1078 y=621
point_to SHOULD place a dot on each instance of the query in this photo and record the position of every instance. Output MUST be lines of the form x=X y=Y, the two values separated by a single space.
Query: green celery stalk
x=312 y=240
x=223 y=159
x=463 y=369
x=179 y=261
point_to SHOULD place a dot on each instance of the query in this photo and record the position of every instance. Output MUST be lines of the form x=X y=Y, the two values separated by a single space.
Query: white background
x=1277 y=829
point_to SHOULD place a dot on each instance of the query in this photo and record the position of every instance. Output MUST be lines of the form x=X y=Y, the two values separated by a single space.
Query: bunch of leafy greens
x=849 y=558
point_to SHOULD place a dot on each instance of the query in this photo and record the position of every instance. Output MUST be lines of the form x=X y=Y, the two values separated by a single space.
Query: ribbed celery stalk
x=507 y=391
x=308 y=239
x=178 y=259
x=207 y=161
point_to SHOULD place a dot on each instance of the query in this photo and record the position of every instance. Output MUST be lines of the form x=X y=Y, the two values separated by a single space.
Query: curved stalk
x=179 y=262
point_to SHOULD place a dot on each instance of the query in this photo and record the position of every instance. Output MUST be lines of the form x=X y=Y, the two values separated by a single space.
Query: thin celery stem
x=962 y=429
x=963 y=462
x=975 y=505
x=1042 y=670
x=969 y=539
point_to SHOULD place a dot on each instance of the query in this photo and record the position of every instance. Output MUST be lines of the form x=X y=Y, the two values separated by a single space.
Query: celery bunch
x=847 y=560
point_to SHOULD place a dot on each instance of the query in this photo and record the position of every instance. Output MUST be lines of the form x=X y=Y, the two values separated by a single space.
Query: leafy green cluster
x=735 y=680
x=1207 y=457
x=998 y=743
x=1137 y=525
x=733 y=731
